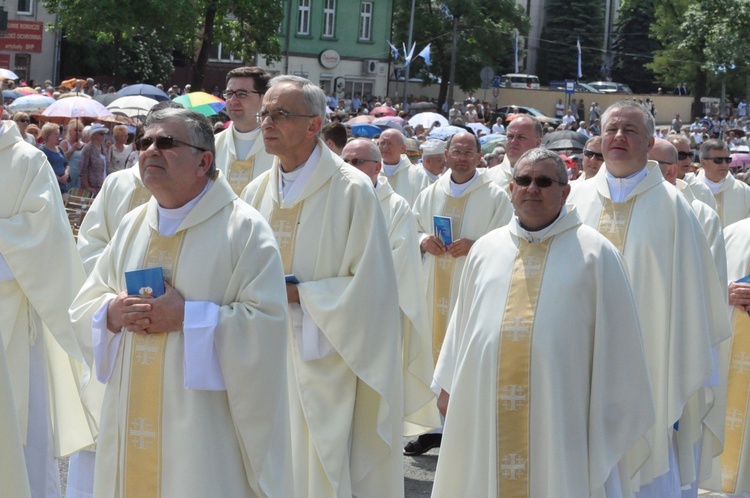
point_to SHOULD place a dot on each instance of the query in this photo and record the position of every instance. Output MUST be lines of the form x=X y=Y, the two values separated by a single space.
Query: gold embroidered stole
x=443 y=276
x=514 y=370
x=720 y=206
x=141 y=195
x=240 y=174
x=142 y=473
x=614 y=221
x=738 y=395
x=284 y=223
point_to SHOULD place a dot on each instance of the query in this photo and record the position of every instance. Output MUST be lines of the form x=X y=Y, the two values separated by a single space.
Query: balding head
x=524 y=133
x=392 y=144
x=665 y=154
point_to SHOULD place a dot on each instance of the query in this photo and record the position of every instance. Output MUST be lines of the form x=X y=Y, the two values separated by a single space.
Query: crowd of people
x=267 y=309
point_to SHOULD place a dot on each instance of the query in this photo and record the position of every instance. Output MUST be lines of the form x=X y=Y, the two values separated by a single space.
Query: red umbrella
x=383 y=110
x=363 y=119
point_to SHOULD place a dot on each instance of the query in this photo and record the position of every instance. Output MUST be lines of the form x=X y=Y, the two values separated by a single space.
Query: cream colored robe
x=700 y=190
x=502 y=174
x=590 y=394
x=487 y=208
x=226 y=153
x=420 y=410
x=733 y=199
x=13 y=479
x=408 y=180
x=670 y=266
x=37 y=243
x=351 y=398
x=214 y=443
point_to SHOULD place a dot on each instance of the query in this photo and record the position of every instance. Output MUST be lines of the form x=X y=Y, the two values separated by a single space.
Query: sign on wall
x=23 y=36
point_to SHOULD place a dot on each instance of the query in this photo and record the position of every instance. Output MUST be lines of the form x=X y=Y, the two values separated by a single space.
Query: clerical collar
x=458 y=189
x=620 y=188
x=715 y=187
x=170 y=219
x=390 y=169
x=432 y=177
x=291 y=184
x=539 y=235
x=244 y=141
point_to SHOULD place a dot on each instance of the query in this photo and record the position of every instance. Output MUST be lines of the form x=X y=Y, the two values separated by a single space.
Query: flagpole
x=406 y=73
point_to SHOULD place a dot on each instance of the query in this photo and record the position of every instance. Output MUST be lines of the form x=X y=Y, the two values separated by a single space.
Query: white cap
x=432 y=147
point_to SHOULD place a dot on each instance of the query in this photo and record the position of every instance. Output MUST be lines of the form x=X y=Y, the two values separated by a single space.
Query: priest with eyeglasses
x=732 y=196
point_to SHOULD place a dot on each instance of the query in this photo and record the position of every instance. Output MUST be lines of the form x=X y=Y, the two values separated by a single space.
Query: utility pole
x=408 y=47
x=454 y=44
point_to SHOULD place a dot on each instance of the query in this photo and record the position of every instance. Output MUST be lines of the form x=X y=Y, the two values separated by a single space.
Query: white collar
x=620 y=188
x=170 y=219
x=539 y=235
x=291 y=184
x=458 y=189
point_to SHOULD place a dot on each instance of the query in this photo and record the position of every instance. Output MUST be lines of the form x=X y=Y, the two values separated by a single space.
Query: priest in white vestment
x=240 y=153
x=685 y=156
x=40 y=274
x=406 y=179
x=524 y=133
x=540 y=406
x=670 y=266
x=732 y=196
x=420 y=412
x=195 y=401
x=433 y=159
x=13 y=478
x=345 y=387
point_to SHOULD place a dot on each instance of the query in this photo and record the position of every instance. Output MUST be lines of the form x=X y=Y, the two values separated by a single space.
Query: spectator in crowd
x=56 y=158
x=94 y=160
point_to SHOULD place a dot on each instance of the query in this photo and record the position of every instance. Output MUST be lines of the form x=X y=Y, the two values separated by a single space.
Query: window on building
x=329 y=19
x=25 y=7
x=363 y=88
x=365 y=21
x=303 y=17
x=218 y=53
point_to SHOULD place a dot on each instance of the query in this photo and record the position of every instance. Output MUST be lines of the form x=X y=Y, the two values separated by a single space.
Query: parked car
x=506 y=110
x=580 y=87
x=515 y=80
x=610 y=87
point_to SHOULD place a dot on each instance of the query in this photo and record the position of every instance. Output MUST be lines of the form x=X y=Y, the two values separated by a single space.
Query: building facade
x=26 y=48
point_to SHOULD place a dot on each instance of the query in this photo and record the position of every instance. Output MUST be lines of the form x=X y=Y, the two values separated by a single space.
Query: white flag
x=425 y=54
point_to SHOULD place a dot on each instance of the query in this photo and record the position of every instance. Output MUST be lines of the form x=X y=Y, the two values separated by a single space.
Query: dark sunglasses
x=357 y=161
x=163 y=143
x=684 y=155
x=719 y=160
x=540 y=181
x=591 y=153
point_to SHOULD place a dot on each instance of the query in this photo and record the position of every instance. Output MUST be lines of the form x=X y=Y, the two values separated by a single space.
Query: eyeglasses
x=357 y=161
x=23 y=120
x=279 y=116
x=457 y=153
x=240 y=94
x=719 y=160
x=684 y=155
x=163 y=143
x=590 y=153
x=540 y=181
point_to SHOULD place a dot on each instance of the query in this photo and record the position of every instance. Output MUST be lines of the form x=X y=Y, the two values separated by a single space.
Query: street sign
x=570 y=87
x=496 y=82
x=486 y=74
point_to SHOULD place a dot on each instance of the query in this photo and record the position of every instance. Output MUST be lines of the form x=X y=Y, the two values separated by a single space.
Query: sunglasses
x=590 y=153
x=163 y=143
x=540 y=181
x=684 y=155
x=356 y=161
x=719 y=160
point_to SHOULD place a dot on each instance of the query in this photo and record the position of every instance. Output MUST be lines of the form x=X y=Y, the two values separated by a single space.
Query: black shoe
x=423 y=444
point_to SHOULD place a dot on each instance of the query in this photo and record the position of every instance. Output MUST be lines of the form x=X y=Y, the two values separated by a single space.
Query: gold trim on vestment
x=240 y=174
x=284 y=223
x=719 y=197
x=141 y=195
x=614 y=221
x=443 y=276
x=738 y=395
x=514 y=370
x=142 y=472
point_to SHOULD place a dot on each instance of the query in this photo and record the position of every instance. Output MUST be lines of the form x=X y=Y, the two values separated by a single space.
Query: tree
x=485 y=37
x=558 y=53
x=634 y=47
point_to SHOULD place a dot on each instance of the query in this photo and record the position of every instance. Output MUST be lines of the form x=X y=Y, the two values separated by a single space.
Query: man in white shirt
x=498 y=126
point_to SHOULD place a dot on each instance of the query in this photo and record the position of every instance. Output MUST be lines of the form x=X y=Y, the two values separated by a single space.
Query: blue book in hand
x=146 y=282
x=443 y=226
x=745 y=280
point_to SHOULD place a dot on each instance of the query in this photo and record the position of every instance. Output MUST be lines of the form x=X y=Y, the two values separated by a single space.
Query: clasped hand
x=147 y=315
x=434 y=246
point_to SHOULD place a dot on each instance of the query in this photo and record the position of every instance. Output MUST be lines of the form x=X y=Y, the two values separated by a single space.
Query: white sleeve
x=105 y=343
x=312 y=344
x=202 y=369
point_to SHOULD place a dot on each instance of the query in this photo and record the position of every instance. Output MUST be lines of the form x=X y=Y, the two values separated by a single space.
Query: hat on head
x=98 y=128
x=432 y=147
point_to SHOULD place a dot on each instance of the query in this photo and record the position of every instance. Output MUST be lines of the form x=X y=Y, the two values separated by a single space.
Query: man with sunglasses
x=522 y=387
x=475 y=205
x=240 y=153
x=592 y=158
x=420 y=414
x=732 y=196
x=685 y=159
x=345 y=396
x=669 y=263
x=198 y=390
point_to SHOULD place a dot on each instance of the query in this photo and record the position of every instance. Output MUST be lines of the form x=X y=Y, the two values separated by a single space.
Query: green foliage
x=558 y=52
x=247 y=28
x=634 y=47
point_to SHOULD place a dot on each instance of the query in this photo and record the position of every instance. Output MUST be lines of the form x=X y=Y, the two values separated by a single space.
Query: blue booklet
x=146 y=282
x=745 y=280
x=443 y=227
x=291 y=279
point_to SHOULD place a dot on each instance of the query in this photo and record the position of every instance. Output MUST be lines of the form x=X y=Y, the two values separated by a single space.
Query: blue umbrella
x=11 y=95
x=492 y=136
x=365 y=130
x=31 y=103
x=444 y=132
x=146 y=90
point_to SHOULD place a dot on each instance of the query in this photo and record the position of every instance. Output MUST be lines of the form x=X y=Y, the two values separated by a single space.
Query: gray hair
x=648 y=119
x=713 y=144
x=595 y=140
x=374 y=150
x=678 y=139
x=314 y=99
x=534 y=156
x=199 y=129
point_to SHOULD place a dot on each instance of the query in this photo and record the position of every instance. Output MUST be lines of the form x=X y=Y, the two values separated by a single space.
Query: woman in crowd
x=22 y=121
x=94 y=160
x=55 y=156
x=119 y=151
x=71 y=147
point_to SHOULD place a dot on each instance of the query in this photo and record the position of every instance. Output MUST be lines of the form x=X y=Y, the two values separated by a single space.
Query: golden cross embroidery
x=283 y=232
x=741 y=362
x=513 y=467
x=516 y=331
x=513 y=397
x=735 y=419
x=141 y=433
x=613 y=225
x=145 y=352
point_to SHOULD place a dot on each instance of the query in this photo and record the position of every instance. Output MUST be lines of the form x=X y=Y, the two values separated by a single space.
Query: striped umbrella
x=202 y=103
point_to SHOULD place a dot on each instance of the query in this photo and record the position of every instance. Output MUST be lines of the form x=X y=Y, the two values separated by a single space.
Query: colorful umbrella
x=71 y=83
x=31 y=103
x=383 y=110
x=132 y=105
x=365 y=130
x=68 y=95
x=26 y=90
x=363 y=119
x=202 y=103
x=63 y=110
x=145 y=90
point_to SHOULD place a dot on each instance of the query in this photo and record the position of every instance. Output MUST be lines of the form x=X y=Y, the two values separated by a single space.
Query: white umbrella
x=427 y=118
x=31 y=103
x=7 y=74
x=132 y=105
x=477 y=127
